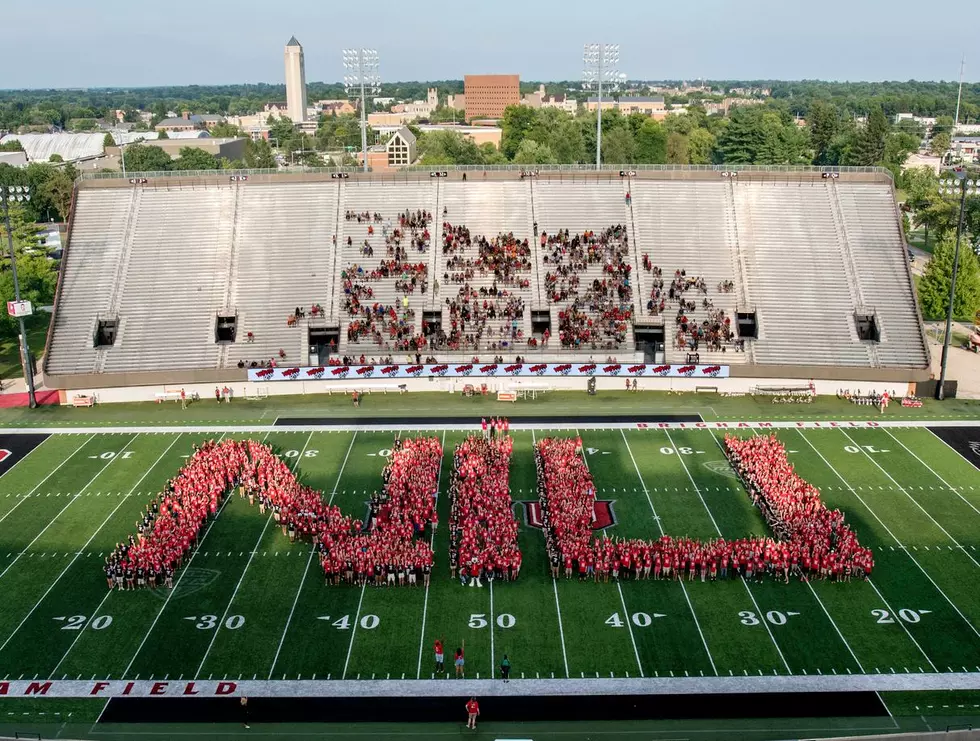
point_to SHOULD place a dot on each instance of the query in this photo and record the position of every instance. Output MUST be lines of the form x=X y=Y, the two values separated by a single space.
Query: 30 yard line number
x=775 y=617
x=210 y=622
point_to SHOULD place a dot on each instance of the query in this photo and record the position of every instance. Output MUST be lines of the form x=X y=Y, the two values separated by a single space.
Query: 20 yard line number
x=884 y=617
x=77 y=622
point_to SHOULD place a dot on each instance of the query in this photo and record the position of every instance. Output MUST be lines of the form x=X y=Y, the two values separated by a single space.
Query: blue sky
x=67 y=43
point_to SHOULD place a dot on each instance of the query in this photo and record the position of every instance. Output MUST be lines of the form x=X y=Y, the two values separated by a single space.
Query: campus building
x=488 y=95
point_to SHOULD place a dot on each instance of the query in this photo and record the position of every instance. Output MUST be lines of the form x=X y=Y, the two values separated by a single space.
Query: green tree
x=192 y=158
x=108 y=141
x=58 y=191
x=762 y=136
x=700 y=146
x=898 y=146
x=258 y=154
x=163 y=135
x=651 y=143
x=448 y=148
x=12 y=145
x=618 y=146
x=824 y=124
x=532 y=153
x=940 y=143
x=870 y=145
x=677 y=148
x=146 y=158
x=934 y=286
x=35 y=272
x=567 y=142
x=517 y=121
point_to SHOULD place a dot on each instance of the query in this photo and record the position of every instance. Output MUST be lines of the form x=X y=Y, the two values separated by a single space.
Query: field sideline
x=252 y=607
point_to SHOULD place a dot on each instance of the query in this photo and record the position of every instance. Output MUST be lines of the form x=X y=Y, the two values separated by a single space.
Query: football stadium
x=336 y=453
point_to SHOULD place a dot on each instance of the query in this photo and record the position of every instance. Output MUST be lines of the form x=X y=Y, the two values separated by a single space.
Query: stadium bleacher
x=806 y=256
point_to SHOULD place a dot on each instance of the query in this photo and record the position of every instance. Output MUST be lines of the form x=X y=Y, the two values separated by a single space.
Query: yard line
x=554 y=583
x=357 y=616
x=71 y=501
x=306 y=571
x=493 y=663
x=907 y=551
x=817 y=596
x=255 y=549
x=180 y=578
x=64 y=571
x=660 y=527
x=28 y=495
x=21 y=460
x=931 y=470
x=745 y=584
x=913 y=500
x=622 y=599
x=432 y=542
x=902 y=623
x=109 y=591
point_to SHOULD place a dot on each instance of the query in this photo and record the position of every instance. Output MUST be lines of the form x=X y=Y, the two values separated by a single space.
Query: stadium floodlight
x=599 y=69
x=18 y=194
x=952 y=182
x=362 y=78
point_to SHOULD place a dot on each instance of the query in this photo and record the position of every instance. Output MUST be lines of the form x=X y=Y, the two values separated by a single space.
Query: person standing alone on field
x=244 y=703
x=505 y=668
x=472 y=711
x=183 y=399
x=440 y=656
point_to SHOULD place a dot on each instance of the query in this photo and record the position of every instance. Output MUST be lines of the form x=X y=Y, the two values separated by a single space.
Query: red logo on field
x=4 y=454
x=603 y=515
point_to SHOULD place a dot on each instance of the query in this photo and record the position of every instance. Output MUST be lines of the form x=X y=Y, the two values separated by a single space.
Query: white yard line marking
x=357 y=617
x=913 y=500
x=748 y=589
x=554 y=581
x=656 y=519
x=493 y=662
x=28 y=495
x=306 y=571
x=432 y=543
x=108 y=591
x=619 y=587
x=71 y=500
x=224 y=616
x=932 y=471
x=907 y=551
x=28 y=455
x=180 y=578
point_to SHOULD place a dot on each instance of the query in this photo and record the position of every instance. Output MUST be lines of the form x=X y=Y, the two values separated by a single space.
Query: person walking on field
x=183 y=399
x=505 y=668
x=472 y=711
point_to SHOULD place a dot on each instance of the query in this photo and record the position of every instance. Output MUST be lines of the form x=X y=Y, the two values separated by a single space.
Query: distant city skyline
x=179 y=43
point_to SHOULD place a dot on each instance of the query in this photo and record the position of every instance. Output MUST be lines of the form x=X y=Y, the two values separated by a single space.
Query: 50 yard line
x=432 y=542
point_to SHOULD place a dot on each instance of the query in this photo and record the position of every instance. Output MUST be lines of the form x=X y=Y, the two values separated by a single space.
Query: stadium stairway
x=388 y=199
x=283 y=257
x=579 y=207
x=797 y=273
x=90 y=276
x=489 y=209
x=689 y=226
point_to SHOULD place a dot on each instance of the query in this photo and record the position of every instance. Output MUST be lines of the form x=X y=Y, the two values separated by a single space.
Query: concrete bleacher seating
x=389 y=200
x=167 y=257
x=580 y=207
x=102 y=219
x=181 y=239
x=283 y=258
x=489 y=209
x=689 y=226
x=797 y=275
x=882 y=271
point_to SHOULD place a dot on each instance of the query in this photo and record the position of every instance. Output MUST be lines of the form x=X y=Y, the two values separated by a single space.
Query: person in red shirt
x=472 y=711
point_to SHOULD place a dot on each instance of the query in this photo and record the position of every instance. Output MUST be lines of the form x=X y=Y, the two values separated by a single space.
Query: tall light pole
x=18 y=194
x=949 y=184
x=599 y=67
x=362 y=77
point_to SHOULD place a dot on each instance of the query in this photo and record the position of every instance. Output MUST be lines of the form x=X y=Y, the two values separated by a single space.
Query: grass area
x=10 y=366
x=917 y=239
x=254 y=605
x=443 y=405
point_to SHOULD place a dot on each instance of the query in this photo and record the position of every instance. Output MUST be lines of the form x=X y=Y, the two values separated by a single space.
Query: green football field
x=252 y=606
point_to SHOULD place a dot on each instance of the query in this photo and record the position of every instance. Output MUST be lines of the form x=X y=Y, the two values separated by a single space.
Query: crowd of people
x=596 y=313
x=812 y=541
x=483 y=529
x=713 y=332
x=504 y=257
x=383 y=550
